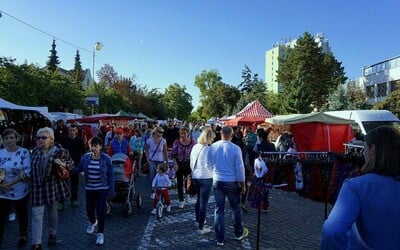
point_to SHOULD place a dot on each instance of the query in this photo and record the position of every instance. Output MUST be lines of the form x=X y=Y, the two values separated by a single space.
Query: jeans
x=96 y=206
x=37 y=222
x=152 y=171
x=21 y=209
x=203 y=190
x=231 y=190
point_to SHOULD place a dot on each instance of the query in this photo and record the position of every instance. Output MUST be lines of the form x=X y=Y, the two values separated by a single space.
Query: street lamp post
x=97 y=47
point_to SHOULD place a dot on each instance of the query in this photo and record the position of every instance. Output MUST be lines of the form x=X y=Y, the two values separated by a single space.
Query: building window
x=394 y=85
x=382 y=88
x=370 y=91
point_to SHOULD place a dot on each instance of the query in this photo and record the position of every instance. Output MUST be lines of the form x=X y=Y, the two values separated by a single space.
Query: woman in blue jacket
x=366 y=213
x=99 y=177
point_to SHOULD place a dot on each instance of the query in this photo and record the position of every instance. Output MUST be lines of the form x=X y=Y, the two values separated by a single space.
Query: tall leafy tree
x=108 y=75
x=216 y=97
x=29 y=85
x=391 y=103
x=177 y=101
x=78 y=71
x=337 y=100
x=357 y=98
x=308 y=76
x=53 y=62
x=154 y=106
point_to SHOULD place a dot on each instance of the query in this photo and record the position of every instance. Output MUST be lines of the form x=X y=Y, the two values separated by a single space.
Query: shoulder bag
x=190 y=186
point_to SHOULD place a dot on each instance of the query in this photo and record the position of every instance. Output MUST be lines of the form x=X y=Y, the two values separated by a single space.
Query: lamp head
x=98 y=46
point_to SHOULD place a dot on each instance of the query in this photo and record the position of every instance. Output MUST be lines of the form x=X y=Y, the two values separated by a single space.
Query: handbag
x=61 y=171
x=190 y=186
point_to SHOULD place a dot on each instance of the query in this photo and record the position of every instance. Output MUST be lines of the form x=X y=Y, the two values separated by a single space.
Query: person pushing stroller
x=160 y=184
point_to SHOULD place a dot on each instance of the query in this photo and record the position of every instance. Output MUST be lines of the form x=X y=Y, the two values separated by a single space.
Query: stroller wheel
x=129 y=208
x=139 y=201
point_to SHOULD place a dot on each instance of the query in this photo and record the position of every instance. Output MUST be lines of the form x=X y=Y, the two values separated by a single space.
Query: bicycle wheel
x=160 y=210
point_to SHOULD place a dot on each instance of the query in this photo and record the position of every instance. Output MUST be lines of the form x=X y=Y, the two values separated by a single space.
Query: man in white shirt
x=228 y=181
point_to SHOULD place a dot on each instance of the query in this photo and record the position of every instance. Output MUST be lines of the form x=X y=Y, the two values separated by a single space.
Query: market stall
x=317 y=131
x=252 y=114
x=26 y=120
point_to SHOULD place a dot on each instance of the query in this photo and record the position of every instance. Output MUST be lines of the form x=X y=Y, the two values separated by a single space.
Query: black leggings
x=183 y=171
x=21 y=209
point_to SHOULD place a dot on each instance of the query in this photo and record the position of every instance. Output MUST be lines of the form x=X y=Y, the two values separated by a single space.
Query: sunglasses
x=42 y=137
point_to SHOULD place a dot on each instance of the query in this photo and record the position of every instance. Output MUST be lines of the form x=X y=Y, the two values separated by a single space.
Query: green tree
x=337 y=100
x=308 y=76
x=29 y=85
x=247 y=84
x=391 y=103
x=177 y=101
x=108 y=75
x=216 y=97
x=78 y=71
x=53 y=62
x=110 y=101
x=356 y=98
x=154 y=105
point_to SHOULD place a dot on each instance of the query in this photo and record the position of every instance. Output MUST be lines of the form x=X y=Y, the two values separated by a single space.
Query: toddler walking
x=258 y=194
x=161 y=183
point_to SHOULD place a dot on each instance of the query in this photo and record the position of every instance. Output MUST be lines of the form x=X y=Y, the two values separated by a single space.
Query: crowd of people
x=220 y=159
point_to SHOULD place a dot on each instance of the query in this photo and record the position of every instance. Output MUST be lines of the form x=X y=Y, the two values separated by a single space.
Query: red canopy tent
x=317 y=131
x=254 y=113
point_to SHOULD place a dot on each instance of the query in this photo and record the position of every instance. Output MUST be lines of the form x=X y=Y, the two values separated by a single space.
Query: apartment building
x=279 y=50
x=379 y=79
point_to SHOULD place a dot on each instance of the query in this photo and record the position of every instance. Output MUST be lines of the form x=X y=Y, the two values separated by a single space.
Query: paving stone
x=292 y=222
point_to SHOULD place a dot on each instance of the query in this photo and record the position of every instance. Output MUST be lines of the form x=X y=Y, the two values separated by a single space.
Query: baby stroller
x=124 y=183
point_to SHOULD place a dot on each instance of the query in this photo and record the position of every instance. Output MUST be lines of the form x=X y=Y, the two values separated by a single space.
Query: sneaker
x=74 y=203
x=169 y=208
x=244 y=234
x=220 y=244
x=11 y=217
x=181 y=204
x=90 y=228
x=154 y=211
x=205 y=230
x=196 y=223
x=99 y=239
x=37 y=247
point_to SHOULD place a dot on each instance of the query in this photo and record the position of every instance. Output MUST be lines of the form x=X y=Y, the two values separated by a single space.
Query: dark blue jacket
x=106 y=168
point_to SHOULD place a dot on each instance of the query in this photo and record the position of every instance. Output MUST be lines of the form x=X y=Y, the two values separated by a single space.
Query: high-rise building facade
x=279 y=50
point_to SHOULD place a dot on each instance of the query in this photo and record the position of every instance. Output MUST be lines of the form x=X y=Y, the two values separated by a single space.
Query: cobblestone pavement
x=291 y=223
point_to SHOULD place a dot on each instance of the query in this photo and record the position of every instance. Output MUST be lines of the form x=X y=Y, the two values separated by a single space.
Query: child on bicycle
x=161 y=183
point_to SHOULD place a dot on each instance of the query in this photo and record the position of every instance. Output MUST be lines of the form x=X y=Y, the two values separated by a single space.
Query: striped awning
x=254 y=109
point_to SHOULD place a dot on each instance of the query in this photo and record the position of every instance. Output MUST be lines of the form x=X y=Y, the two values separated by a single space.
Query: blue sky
x=169 y=41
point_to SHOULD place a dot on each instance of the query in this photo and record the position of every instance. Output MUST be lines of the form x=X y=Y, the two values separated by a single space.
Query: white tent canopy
x=9 y=105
